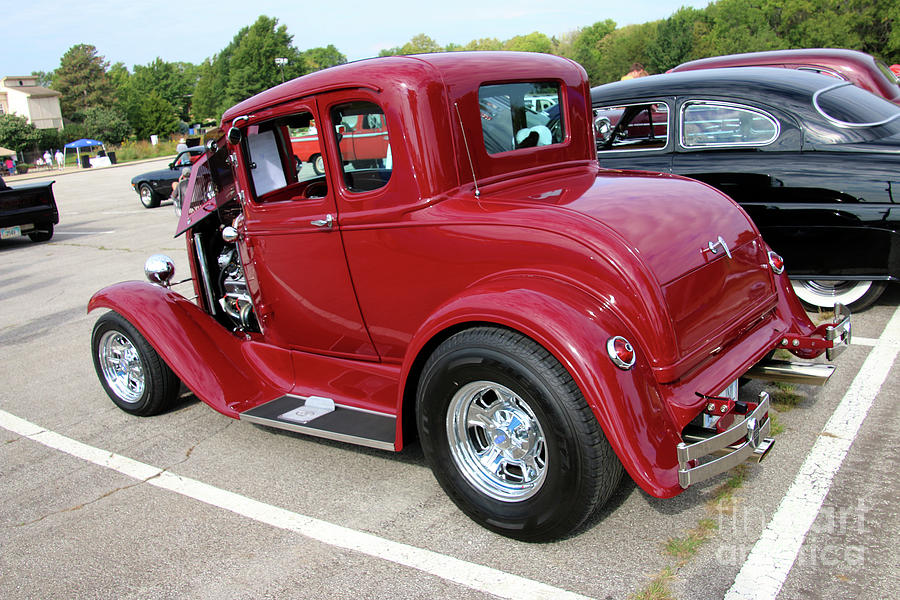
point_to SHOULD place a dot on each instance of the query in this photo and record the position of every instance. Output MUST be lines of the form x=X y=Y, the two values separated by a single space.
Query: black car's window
x=847 y=105
x=642 y=126
x=364 y=145
x=718 y=124
x=509 y=123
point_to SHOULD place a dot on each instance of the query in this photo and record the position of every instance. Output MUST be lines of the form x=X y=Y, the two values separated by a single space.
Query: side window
x=721 y=124
x=274 y=157
x=632 y=127
x=511 y=117
x=364 y=145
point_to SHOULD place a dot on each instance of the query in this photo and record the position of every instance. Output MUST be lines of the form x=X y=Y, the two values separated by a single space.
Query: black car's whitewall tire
x=509 y=436
x=824 y=293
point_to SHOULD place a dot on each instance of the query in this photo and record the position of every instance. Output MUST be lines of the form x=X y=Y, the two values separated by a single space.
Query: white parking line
x=471 y=575
x=64 y=232
x=771 y=559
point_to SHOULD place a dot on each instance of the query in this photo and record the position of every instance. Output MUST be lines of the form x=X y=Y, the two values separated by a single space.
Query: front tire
x=318 y=163
x=149 y=198
x=133 y=375
x=510 y=437
x=824 y=294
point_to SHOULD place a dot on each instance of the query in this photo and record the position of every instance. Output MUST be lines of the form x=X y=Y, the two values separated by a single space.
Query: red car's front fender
x=220 y=368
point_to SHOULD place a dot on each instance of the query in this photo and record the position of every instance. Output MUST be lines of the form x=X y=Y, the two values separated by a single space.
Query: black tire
x=133 y=375
x=486 y=388
x=42 y=235
x=816 y=294
x=318 y=163
x=149 y=198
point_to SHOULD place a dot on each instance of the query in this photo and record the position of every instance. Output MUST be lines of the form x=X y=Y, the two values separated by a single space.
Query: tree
x=586 y=47
x=533 y=42
x=622 y=48
x=674 y=43
x=106 y=124
x=252 y=67
x=485 y=44
x=81 y=79
x=742 y=26
x=156 y=116
x=44 y=78
x=316 y=59
x=16 y=133
x=419 y=44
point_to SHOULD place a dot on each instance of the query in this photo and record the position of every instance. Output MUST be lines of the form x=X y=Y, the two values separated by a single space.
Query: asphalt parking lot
x=95 y=503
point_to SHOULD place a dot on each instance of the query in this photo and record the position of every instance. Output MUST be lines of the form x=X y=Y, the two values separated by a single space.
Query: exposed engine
x=235 y=300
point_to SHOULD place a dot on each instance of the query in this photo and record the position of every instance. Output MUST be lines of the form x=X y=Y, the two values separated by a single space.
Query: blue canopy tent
x=82 y=143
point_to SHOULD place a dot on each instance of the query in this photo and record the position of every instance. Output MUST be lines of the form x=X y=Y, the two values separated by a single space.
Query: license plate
x=10 y=232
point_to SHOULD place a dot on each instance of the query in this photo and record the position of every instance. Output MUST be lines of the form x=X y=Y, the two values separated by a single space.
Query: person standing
x=181 y=147
x=48 y=160
x=10 y=166
x=637 y=70
x=60 y=159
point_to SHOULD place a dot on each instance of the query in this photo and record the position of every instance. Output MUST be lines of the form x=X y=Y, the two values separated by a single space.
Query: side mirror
x=235 y=136
x=172 y=165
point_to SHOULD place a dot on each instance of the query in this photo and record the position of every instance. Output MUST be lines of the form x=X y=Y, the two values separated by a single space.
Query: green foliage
x=16 y=133
x=155 y=116
x=106 y=125
x=621 y=48
x=419 y=44
x=252 y=68
x=533 y=42
x=484 y=44
x=586 y=47
x=44 y=78
x=81 y=79
x=316 y=59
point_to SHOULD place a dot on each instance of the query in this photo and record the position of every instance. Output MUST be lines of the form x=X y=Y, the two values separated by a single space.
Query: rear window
x=847 y=105
x=510 y=119
x=724 y=124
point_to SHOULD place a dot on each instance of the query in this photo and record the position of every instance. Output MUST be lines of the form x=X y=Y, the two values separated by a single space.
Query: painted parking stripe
x=471 y=575
x=771 y=559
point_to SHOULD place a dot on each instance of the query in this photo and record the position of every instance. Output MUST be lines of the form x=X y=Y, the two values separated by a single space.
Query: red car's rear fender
x=575 y=328
x=220 y=368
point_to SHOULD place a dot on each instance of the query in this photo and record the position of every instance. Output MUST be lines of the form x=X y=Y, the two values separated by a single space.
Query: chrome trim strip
x=754 y=430
x=744 y=107
x=815 y=103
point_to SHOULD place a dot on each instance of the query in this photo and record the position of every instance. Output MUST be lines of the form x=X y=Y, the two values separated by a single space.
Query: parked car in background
x=536 y=322
x=813 y=160
x=27 y=210
x=856 y=67
x=154 y=186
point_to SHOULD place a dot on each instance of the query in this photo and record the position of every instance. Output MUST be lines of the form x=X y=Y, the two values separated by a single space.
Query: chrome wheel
x=496 y=441
x=825 y=293
x=148 y=196
x=121 y=366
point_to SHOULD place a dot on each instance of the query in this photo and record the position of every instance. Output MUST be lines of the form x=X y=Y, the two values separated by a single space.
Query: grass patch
x=785 y=397
x=723 y=499
x=658 y=588
x=684 y=548
x=776 y=426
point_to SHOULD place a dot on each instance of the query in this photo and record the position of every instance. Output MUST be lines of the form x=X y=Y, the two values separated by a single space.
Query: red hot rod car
x=481 y=284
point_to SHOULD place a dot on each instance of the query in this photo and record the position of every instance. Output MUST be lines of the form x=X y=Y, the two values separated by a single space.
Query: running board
x=321 y=417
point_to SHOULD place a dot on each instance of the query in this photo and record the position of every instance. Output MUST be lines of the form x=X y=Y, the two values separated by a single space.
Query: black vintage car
x=814 y=161
x=154 y=186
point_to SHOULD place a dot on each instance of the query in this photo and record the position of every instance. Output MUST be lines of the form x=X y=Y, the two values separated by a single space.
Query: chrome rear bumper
x=745 y=441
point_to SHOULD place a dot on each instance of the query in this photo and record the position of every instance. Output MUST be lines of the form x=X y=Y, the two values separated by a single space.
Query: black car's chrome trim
x=838 y=122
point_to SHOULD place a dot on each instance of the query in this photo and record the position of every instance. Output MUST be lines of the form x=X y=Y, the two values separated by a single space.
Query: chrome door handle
x=327 y=222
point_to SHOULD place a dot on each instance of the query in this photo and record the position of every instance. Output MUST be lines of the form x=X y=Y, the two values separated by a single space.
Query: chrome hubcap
x=121 y=366
x=496 y=441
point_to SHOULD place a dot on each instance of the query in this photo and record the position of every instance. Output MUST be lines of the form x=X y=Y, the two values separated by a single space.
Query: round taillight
x=621 y=352
x=776 y=262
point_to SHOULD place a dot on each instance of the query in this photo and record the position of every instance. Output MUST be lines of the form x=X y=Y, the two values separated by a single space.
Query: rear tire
x=133 y=375
x=823 y=293
x=42 y=235
x=510 y=438
x=318 y=163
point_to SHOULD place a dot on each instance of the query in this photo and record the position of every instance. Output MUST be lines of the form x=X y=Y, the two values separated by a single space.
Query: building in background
x=24 y=97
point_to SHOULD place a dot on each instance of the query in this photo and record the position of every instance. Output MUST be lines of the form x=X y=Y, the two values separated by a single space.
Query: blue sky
x=37 y=34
